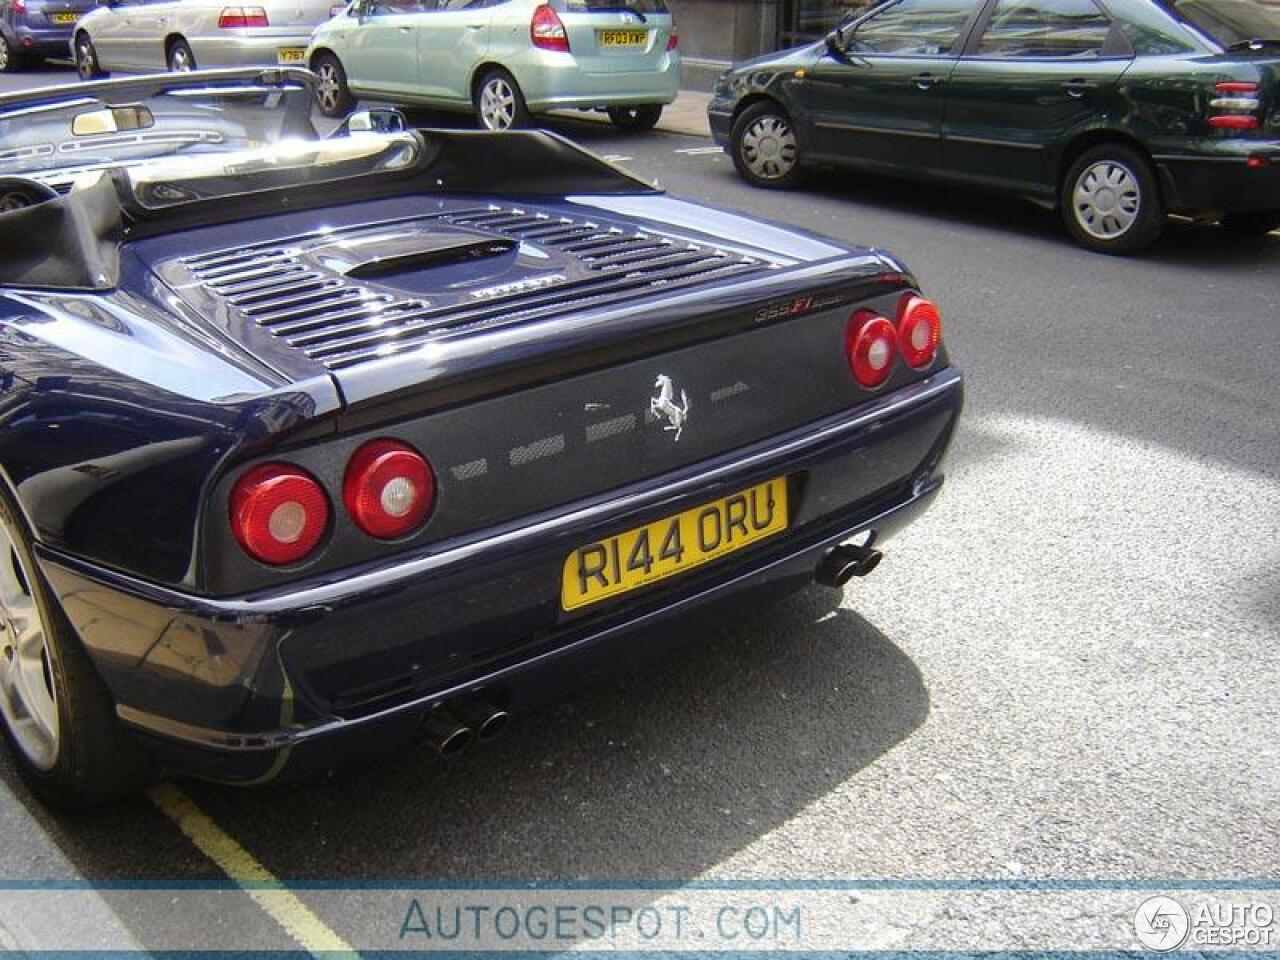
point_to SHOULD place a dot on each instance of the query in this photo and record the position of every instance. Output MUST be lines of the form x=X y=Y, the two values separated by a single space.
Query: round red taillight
x=389 y=488
x=870 y=345
x=278 y=513
x=919 y=331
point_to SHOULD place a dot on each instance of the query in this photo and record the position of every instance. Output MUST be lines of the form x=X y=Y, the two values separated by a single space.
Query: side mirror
x=835 y=44
x=382 y=120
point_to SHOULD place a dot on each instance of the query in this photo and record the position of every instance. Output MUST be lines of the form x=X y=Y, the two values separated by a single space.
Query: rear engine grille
x=341 y=323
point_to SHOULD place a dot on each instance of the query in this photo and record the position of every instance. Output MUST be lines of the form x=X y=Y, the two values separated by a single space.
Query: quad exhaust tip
x=846 y=561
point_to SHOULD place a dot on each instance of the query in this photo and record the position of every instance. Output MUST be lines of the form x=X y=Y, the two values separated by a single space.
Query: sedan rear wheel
x=499 y=104
x=333 y=96
x=55 y=711
x=1111 y=202
x=764 y=148
x=87 y=58
x=181 y=59
x=636 y=119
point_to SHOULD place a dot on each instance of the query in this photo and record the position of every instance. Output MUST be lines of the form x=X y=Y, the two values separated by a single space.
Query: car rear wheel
x=333 y=96
x=87 y=58
x=763 y=146
x=636 y=119
x=1253 y=223
x=499 y=104
x=10 y=59
x=1110 y=200
x=56 y=713
x=180 y=57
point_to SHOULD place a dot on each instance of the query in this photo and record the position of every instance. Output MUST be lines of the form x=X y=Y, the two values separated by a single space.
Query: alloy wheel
x=1106 y=199
x=327 y=87
x=769 y=147
x=86 y=62
x=28 y=698
x=180 y=60
x=497 y=104
x=4 y=55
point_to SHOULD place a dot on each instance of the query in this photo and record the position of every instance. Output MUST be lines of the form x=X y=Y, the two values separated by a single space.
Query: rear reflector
x=870 y=346
x=1257 y=161
x=235 y=18
x=1234 y=122
x=389 y=489
x=919 y=331
x=278 y=513
x=673 y=41
x=546 y=31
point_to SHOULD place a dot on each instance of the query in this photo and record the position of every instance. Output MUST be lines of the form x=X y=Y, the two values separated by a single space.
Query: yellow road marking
x=259 y=883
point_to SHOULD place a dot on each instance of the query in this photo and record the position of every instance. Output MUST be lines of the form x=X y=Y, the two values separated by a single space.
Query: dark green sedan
x=1117 y=112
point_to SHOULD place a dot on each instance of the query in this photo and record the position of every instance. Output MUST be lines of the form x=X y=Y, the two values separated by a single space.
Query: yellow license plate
x=64 y=17
x=671 y=546
x=623 y=38
x=291 y=55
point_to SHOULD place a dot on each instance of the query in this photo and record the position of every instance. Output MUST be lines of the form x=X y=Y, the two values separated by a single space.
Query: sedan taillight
x=870 y=347
x=234 y=18
x=673 y=40
x=389 y=489
x=278 y=513
x=547 y=31
x=1236 y=103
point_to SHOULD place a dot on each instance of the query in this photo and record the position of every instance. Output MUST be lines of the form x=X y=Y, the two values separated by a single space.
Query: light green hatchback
x=503 y=59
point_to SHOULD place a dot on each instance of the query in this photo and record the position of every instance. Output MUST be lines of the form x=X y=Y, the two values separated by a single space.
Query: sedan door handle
x=1078 y=88
x=926 y=81
x=475 y=26
x=404 y=29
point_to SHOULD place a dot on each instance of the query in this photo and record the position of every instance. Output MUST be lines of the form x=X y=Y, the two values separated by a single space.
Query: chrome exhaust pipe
x=844 y=562
x=486 y=719
x=445 y=733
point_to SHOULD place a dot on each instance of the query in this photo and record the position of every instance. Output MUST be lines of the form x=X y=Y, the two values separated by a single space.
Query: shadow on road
x=657 y=775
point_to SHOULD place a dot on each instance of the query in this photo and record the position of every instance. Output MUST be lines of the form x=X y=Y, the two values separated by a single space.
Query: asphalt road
x=1066 y=670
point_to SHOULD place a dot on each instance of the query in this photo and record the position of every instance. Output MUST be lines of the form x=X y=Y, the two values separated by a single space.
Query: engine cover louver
x=288 y=289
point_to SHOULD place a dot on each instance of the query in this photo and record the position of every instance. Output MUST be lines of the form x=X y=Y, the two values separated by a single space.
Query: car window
x=608 y=6
x=1045 y=28
x=382 y=8
x=912 y=28
x=1228 y=22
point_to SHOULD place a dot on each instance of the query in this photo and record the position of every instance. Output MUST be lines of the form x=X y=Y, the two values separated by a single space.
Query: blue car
x=312 y=447
x=31 y=29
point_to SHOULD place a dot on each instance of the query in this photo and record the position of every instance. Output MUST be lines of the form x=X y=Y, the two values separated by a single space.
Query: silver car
x=185 y=34
x=504 y=60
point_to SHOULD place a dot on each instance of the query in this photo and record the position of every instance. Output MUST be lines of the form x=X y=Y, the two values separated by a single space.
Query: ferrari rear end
x=426 y=456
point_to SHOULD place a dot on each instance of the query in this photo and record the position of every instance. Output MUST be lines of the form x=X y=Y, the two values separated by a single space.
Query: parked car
x=505 y=61
x=181 y=35
x=31 y=29
x=311 y=446
x=1117 y=112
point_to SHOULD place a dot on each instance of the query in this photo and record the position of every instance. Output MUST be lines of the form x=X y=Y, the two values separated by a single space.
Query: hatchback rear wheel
x=8 y=56
x=333 y=96
x=499 y=104
x=636 y=119
x=1110 y=200
x=763 y=146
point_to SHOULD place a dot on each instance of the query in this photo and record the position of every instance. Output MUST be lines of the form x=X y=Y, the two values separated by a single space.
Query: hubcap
x=180 y=60
x=1106 y=199
x=28 y=701
x=327 y=87
x=497 y=105
x=769 y=147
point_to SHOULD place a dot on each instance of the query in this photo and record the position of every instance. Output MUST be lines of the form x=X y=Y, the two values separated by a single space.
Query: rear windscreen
x=1228 y=22
x=609 y=6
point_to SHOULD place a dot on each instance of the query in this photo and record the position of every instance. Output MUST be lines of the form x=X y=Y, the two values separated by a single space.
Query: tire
x=333 y=96
x=499 y=104
x=10 y=59
x=179 y=57
x=636 y=119
x=764 y=148
x=1253 y=223
x=87 y=64
x=1110 y=200
x=55 y=711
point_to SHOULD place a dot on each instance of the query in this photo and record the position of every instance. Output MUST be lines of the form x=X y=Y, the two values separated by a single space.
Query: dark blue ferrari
x=312 y=446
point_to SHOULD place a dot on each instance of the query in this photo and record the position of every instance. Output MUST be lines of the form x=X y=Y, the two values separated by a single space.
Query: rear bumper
x=231 y=50
x=1218 y=178
x=551 y=80
x=44 y=41
x=247 y=688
